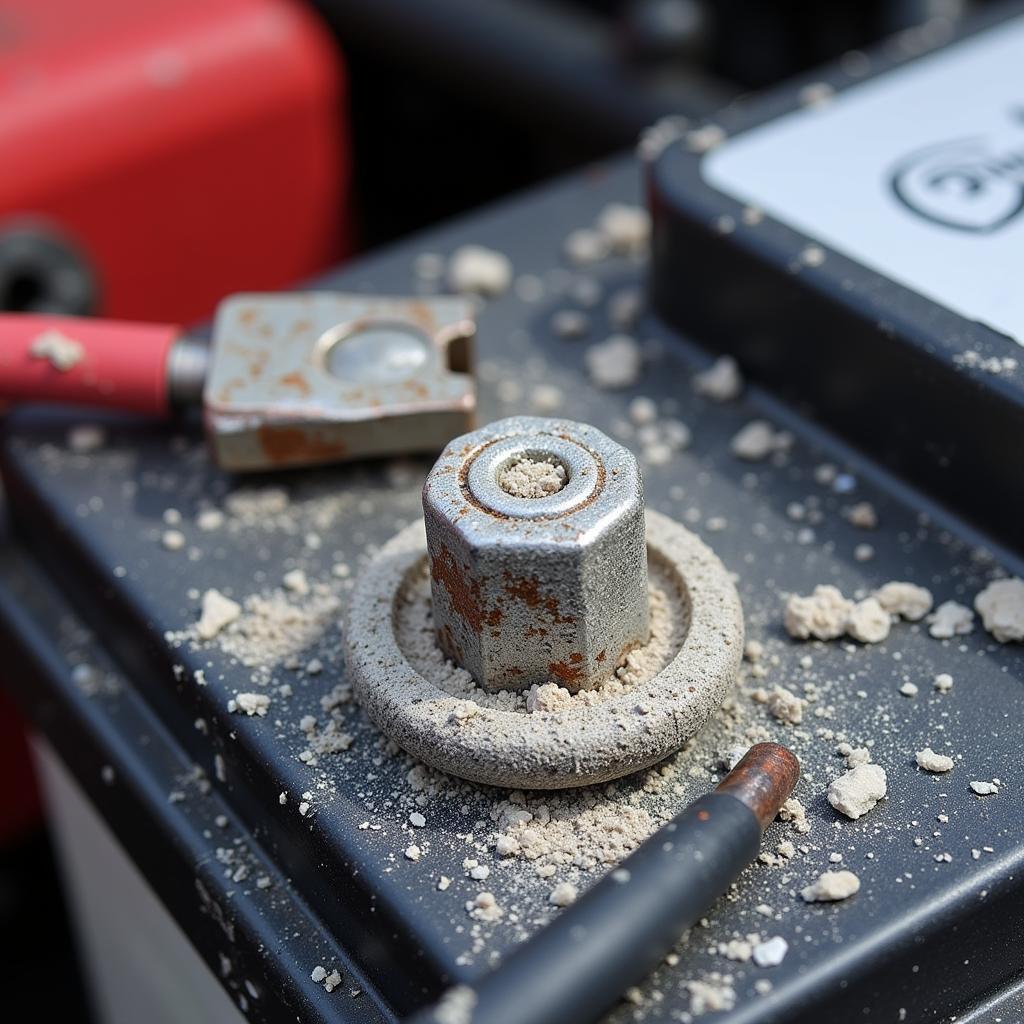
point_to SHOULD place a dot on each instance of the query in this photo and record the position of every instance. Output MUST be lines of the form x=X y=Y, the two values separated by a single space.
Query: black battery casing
x=901 y=376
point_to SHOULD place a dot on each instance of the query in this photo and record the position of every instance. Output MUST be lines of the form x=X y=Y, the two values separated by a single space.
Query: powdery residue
x=60 y=351
x=414 y=628
x=582 y=829
x=267 y=630
x=822 y=615
x=758 y=440
x=614 y=363
x=1001 y=607
x=831 y=886
x=932 y=762
x=477 y=269
x=826 y=614
x=721 y=381
x=907 y=600
x=856 y=792
x=594 y=827
x=527 y=477
x=217 y=612
x=950 y=619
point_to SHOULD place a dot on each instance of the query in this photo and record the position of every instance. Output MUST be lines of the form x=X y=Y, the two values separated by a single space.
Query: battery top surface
x=401 y=866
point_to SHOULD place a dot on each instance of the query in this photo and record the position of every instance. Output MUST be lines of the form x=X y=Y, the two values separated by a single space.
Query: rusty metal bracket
x=303 y=378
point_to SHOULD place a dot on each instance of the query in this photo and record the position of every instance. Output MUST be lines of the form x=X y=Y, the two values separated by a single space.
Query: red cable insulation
x=79 y=361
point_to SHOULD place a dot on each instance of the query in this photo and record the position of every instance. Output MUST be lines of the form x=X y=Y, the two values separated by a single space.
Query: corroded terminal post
x=538 y=560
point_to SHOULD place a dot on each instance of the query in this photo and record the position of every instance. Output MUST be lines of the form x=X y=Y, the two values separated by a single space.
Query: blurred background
x=159 y=154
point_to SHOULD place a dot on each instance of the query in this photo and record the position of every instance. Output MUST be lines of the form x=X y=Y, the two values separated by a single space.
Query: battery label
x=917 y=174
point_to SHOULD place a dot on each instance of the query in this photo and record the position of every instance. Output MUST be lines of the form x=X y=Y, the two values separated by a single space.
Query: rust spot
x=565 y=673
x=297 y=381
x=703 y=815
x=463 y=593
x=419 y=389
x=527 y=590
x=422 y=315
x=575 y=658
x=291 y=446
x=448 y=644
x=227 y=393
x=602 y=655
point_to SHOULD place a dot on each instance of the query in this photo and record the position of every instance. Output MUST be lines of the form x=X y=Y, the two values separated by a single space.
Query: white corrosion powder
x=60 y=351
x=456 y=1006
x=414 y=629
x=856 y=792
x=862 y=515
x=614 y=363
x=771 y=953
x=548 y=697
x=711 y=995
x=795 y=813
x=477 y=269
x=757 y=440
x=527 y=477
x=826 y=614
x=868 y=622
x=721 y=381
x=1001 y=607
x=563 y=894
x=274 y=628
x=907 y=600
x=250 y=704
x=950 y=619
x=985 y=788
x=782 y=704
x=932 y=762
x=585 y=246
x=217 y=612
x=822 y=615
x=831 y=886
x=627 y=228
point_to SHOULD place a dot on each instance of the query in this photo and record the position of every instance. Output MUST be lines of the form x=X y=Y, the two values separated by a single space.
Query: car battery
x=167 y=153
x=301 y=865
x=851 y=239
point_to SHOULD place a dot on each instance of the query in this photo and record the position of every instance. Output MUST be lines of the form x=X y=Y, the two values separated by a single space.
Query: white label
x=917 y=175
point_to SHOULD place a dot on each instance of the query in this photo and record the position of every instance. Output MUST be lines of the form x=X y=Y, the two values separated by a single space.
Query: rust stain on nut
x=463 y=592
x=527 y=590
x=566 y=673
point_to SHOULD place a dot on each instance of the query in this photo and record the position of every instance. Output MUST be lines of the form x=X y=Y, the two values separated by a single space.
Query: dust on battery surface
x=834 y=674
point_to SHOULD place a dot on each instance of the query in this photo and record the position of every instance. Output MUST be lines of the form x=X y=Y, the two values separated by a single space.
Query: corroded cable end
x=763 y=780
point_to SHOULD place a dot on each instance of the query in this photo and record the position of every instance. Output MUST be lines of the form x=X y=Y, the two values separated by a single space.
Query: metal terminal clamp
x=312 y=377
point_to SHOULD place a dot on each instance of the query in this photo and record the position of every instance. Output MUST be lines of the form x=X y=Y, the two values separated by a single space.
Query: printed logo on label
x=970 y=184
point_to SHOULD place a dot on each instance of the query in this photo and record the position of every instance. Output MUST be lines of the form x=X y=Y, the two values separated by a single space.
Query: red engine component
x=160 y=154
x=163 y=153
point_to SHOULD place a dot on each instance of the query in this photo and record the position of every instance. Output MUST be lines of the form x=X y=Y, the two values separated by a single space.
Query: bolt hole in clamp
x=530 y=590
x=293 y=379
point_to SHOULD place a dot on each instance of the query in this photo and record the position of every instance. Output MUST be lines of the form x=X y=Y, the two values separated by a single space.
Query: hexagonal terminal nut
x=538 y=555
